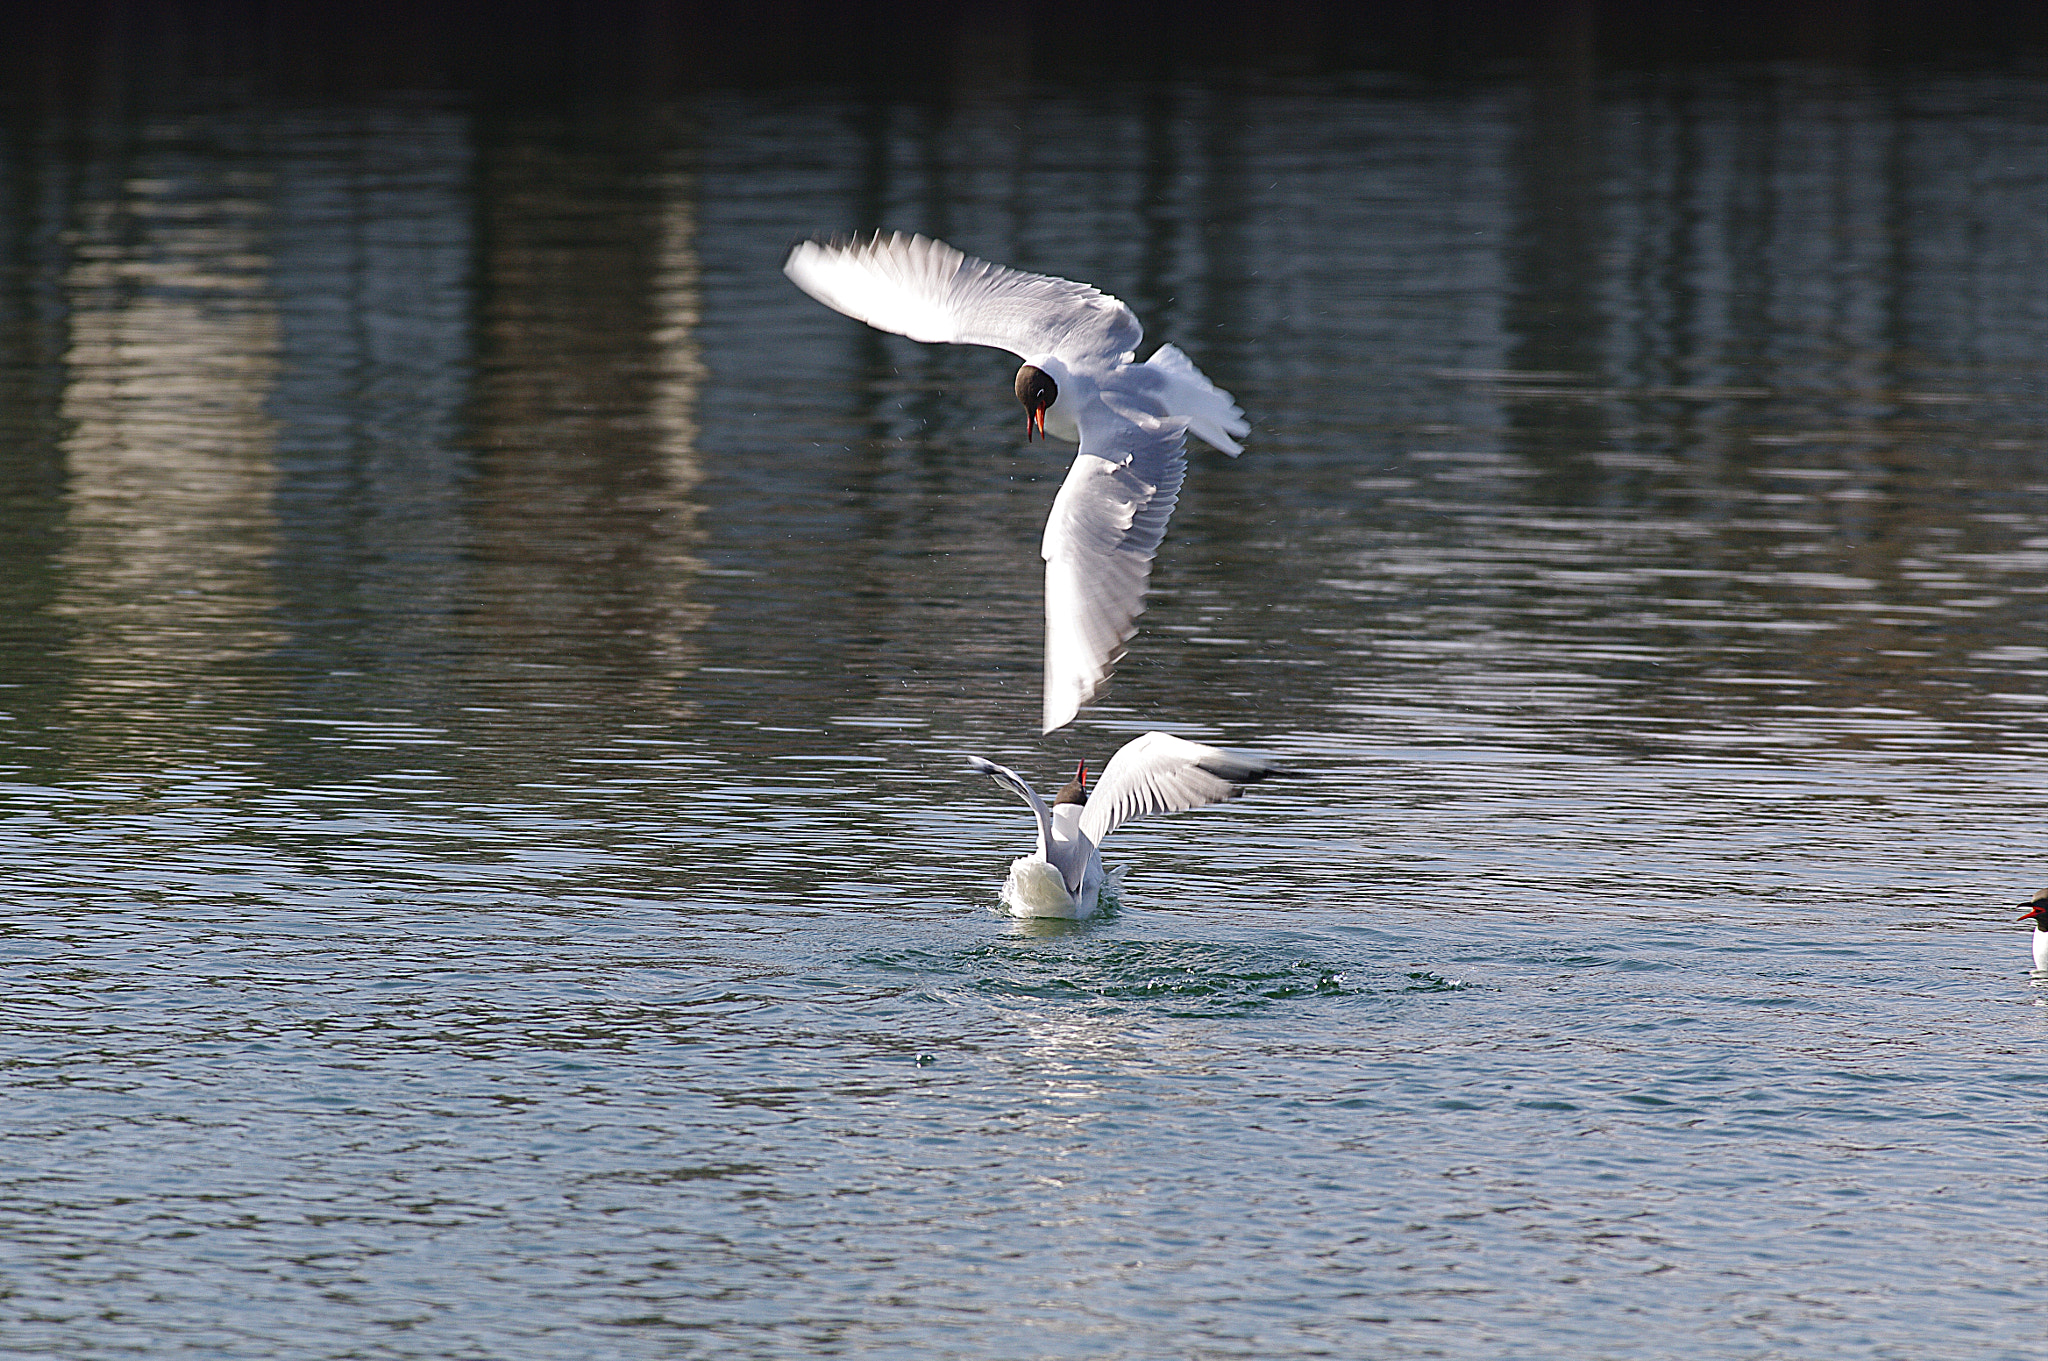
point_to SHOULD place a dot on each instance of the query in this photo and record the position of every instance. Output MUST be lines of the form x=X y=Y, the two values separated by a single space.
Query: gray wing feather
x=927 y=290
x=1008 y=777
x=1024 y=791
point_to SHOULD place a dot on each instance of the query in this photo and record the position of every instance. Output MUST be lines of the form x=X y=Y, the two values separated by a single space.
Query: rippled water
x=488 y=870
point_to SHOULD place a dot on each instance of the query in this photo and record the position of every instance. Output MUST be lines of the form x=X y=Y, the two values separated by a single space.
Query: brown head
x=1076 y=789
x=2038 y=909
x=1036 y=389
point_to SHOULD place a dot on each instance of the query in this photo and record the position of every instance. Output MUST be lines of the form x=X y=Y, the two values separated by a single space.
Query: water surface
x=488 y=867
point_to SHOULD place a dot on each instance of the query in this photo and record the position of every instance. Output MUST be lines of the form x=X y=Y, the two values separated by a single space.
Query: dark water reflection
x=484 y=660
x=1701 y=384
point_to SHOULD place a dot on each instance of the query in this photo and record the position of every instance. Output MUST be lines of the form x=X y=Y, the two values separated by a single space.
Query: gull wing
x=1029 y=795
x=1161 y=773
x=1105 y=526
x=927 y=290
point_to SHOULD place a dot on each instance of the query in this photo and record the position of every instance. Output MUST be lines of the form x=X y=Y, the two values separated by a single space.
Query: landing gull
x=1079 y=381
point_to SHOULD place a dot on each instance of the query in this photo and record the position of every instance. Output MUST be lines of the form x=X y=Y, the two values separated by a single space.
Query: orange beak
x=1034 y=422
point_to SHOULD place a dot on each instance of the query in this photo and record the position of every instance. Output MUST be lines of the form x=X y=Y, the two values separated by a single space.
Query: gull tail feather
x=1211 y=414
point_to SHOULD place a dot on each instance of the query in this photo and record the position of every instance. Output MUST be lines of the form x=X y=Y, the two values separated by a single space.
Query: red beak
x=1081 y=775
x=1034 y=421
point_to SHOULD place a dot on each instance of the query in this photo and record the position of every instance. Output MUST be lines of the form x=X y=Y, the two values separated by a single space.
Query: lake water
x=488 y=869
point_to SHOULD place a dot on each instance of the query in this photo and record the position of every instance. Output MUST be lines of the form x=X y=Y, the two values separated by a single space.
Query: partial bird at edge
x=2038 y=914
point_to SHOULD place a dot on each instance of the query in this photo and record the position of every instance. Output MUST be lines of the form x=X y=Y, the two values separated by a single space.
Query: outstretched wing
x=927 y=290
x=1106 y=524
x=1024 y=791
x=1161 y=773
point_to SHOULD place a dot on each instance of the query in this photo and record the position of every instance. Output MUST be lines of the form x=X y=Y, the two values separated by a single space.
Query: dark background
x=524 y=51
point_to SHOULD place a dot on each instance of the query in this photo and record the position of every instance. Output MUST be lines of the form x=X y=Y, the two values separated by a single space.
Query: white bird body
x=1156 y=773
x=1037 y=884
x=1130 y=419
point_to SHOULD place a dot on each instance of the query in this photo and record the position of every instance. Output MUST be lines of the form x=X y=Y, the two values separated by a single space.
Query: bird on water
x=1080 y=381
x=1156 y=773
x=2038 y=910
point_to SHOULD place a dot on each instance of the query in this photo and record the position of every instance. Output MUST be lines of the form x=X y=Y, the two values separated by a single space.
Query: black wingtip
x=1249 y=769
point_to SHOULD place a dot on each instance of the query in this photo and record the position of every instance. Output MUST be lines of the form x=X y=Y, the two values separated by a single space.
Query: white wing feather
x=1106 y=524
x=925 y=289
x=1161 y=773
